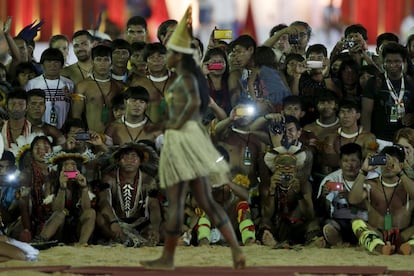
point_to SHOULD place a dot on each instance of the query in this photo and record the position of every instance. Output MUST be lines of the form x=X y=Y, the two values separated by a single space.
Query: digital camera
x=294 y=39
x=83 y=136
x=377 y=160
x=285 y=177
x=349 y=44
x=277 y=128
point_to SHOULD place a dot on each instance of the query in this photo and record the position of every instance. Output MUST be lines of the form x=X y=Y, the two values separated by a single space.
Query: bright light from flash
x=250 y=110
x=11 y=177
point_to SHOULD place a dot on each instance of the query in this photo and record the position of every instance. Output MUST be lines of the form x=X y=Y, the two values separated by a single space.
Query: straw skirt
x=187 y=154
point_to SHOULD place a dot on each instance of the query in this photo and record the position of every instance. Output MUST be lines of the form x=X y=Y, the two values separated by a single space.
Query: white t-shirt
x=58 y=92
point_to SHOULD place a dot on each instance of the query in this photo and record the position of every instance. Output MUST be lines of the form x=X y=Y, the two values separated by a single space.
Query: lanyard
x=53 y=99
x=395 y=96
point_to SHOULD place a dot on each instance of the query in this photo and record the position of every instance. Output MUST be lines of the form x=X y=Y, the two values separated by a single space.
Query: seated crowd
x=320 y=145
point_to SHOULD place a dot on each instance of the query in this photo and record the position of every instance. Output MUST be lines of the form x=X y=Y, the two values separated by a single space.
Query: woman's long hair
x=203 y=90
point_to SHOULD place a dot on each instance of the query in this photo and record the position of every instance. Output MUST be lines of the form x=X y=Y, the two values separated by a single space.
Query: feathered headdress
x=23 y=143
x=30 y=31
x=55 y=157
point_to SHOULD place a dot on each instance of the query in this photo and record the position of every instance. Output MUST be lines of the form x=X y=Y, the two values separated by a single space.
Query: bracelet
x=361 y=171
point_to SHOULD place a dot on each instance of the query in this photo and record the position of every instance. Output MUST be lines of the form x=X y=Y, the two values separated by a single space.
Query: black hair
x=204 y=92
x=395 y=151
x=163 y=27
x=73 y=122
x=101 y=51
x=294 y=56
x=350 y=148
x=246 y=41
x=293 y=99
x=78 y=161
x=356 y=28
x=57 y=37
x=370 y=69
x=82 y=32
x=38 y=138
x=17 y=93
x=387 y=37
x=152 y=48
x=137 y=20
x=52 y=54
x=350 y=103
x=325 y=95
x=277 y=28
x=199 y=47
x=120 y=43
x=395 y=48
x=36 y=92
x=264 y=56
x=117 y=101
x=22 y=67
x=317 y=48
x=137 y=92
x=305 y=25
x=291 y=119
x=9 y=156
x=137 y=46
x=218 y=52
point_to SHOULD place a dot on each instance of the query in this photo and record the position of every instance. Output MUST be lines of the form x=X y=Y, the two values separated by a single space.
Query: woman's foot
x=158 y=264
x=239 y=260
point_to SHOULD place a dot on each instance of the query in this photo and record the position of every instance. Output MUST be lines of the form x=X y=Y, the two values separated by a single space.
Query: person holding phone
x=388 y=201
x=332 y=197
x=71 y=201
x=215 y=65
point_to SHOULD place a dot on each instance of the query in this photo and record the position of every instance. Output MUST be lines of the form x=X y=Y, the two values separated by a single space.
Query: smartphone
x=377 y=160
x=314 y=64
x=215 y=66
x=244 y=111
x=71 y=174
x=82 y=136
x=334 y=186
x=223 y=34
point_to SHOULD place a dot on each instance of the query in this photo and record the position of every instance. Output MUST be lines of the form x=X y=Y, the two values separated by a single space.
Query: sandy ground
x=257 y=255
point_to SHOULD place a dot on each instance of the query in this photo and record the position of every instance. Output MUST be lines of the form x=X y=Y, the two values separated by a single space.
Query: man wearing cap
x=129 y=207
x=94 y=94
x=134 y=125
